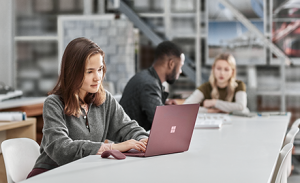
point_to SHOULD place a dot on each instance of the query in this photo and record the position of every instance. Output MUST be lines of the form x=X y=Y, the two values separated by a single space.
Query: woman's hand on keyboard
x=130 y=144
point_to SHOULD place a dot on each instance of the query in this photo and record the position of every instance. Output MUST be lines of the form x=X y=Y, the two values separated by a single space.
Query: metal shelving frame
x=272 y=47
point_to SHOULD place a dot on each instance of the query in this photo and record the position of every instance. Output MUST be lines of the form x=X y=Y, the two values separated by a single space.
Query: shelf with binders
x=37 y=66
x=36 y=43
x=286 y=29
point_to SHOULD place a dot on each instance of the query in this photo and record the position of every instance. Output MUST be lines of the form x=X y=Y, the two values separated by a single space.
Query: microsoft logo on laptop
x=173 y=128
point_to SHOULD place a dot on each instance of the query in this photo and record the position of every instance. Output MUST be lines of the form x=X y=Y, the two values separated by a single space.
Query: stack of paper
x=224 y=117
x=12 y=116
x=11 y=94
x=212 y=120
x=208 y=123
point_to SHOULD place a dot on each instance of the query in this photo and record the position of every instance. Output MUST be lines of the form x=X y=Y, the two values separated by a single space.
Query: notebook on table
x=171 y=130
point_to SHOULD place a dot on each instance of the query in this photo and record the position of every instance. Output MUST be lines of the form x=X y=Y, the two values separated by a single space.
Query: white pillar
x=101 y=7
x=7 y=42
x=198 y=44
x=87 y=7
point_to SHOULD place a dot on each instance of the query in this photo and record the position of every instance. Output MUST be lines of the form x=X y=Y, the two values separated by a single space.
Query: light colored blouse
x=239 y=102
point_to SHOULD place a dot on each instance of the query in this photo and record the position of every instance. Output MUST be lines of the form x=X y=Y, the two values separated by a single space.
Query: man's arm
x=150 y=98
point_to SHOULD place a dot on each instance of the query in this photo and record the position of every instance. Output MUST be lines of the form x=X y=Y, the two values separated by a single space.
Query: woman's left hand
x=209 y=103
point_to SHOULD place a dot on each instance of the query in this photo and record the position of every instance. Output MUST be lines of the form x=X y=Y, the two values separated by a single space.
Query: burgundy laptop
x=171 y=130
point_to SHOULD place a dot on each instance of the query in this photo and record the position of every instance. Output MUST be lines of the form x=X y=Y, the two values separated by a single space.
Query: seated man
x=144 y=91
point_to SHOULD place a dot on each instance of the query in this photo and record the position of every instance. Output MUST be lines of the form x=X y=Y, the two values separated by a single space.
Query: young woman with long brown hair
x=222 y=93
x=79 y=114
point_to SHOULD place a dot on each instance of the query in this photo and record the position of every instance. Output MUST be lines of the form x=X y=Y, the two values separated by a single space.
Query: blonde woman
x=222 y=93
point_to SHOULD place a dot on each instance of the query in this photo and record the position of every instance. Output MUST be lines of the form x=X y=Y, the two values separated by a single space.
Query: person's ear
x=171 y=63
x=233 y=70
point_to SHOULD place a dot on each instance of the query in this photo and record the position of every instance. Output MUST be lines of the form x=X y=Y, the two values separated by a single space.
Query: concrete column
x=7 y=42
x=251 y=88
x=87 y=7
x=101 y=7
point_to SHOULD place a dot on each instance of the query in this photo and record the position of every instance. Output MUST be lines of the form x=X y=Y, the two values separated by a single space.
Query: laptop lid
x=172 y=129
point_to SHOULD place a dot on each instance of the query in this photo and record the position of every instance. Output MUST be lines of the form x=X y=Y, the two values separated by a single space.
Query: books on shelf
x=12 y=116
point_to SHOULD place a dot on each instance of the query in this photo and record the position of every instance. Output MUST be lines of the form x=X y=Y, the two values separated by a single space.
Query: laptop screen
x=172 y=129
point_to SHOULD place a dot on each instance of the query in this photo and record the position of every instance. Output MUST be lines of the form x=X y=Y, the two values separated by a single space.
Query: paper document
x=11 y=94
x=205 y=120
x=208 y=123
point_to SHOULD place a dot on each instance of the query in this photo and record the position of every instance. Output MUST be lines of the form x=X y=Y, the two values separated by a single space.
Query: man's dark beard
x=172 y=77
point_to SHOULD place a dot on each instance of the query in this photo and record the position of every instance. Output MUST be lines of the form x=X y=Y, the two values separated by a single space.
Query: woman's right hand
x=208 y=103
x=214 y=110
x=129 y=144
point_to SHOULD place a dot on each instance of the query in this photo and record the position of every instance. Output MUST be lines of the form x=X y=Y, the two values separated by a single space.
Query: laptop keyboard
x=134 y=152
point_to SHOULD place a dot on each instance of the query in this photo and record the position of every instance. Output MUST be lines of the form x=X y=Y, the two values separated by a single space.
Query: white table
x=244 y=151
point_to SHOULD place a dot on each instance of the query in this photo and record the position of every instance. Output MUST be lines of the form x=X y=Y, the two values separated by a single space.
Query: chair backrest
x=296 y=123
x=297 y=137
x=290 y=136
x=280 y=173
x=19 y=156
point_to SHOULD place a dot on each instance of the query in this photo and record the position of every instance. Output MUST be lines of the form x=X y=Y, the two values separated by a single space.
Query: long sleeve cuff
x=195 y=98
x=104 y=147
x=240 y=103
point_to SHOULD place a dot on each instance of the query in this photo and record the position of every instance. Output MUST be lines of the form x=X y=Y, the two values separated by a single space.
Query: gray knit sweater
x=66 y=138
